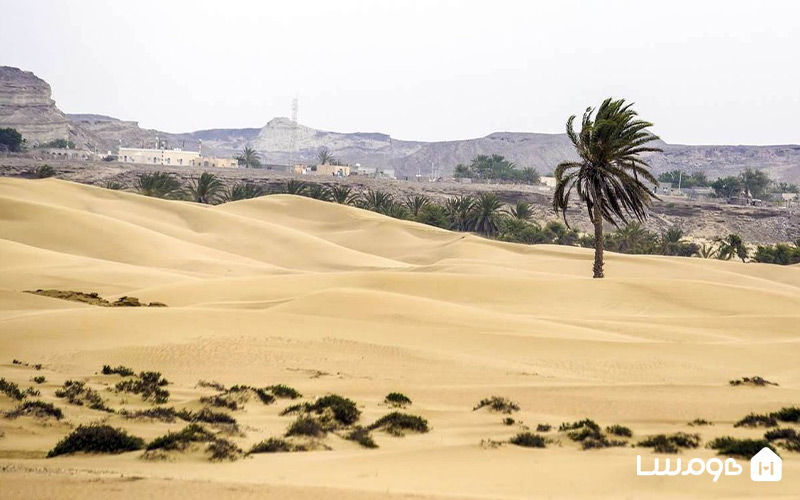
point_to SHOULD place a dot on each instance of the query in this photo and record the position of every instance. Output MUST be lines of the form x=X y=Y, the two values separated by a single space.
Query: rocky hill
x=26 y=105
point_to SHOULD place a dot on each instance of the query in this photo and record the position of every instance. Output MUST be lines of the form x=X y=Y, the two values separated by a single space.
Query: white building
x=173 y=157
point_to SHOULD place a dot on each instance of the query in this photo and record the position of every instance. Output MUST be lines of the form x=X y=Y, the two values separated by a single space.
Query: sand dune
x=333 y=299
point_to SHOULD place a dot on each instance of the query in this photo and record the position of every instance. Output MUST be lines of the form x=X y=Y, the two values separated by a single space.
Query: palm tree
x=486 y=213
x=416 y=203
x=206 y=189
x=343 y=195
x=158 y=185
x=325 y=157
x=377 y=201
x=731 y=246
x=633 y=237
x=114 y=185
x=318 y=192
x=607 y=177
x=249 y=158
x=458 y=210
x=242 y=191
x=707 y=251
x=522 y=211
x=295 y=187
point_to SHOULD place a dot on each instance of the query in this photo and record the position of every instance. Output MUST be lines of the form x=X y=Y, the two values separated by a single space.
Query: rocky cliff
x=26 y=105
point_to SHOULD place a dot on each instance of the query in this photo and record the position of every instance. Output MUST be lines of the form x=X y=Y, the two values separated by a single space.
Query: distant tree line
x=496 y=168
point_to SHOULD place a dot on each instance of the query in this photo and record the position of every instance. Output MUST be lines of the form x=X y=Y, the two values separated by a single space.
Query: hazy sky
x=723 y=72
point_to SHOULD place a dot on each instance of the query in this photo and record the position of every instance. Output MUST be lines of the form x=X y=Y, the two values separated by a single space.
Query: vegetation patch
x=509 y=421
x=344 y=410
x=244 y=391
x=306 y=425
x=211 y=384
x=745 y=448
x=788 y=414
x=529 y=440
x=220 y=401
x=397 y=399
x=498 y=404
x=756 y=420
x=76 y=393
x=753 y=381
x=97 y=438
x=37 y=409
x=11 y=389
x=192 y=433
x=284 y=391
x=223 y=450
x=276 y=445
x=206 y=416
x=590 y=435
x=39 y=379
x=122 y=371
x=619 y=430
x=31 y=391
x=544 y=428
x=397 y=423
x=361 y=436
x=699 y=422
x=663 y=443
x=785 y=437
x=159 y=413
x=148 y=385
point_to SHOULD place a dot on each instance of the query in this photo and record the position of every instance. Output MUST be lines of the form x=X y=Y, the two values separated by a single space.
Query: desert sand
x=333 y=299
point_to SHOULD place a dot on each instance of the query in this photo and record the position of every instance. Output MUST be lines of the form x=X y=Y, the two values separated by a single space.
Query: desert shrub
x=739 y=447
x=272 y=445
x=529 y=440
x=509 y=421
x=361 y=436
x=222 y=449
x=699 y=422
x=11 y=389
x=619 y=430
x=498 y=404
x=284 y=391
x=43 y=172
x=192 y=433
x=662 y=443
x=97 y=438
x=755 y=420
x=292 y=409
x=114 y=185
x=212 y=384
x=76 y=392
x=207 y=416
x=263 y=394
x=784 y=433
x=39 y=379
x=755 y=381
x=306 y=426
x=344 y=410
x=585 y=423
x=397 y=399
x=544 y=428
x=601 y=442
x=31 y=391
x=158 y=413
x=220 y=401
x=38 y=409
x=148 y=385
x=122 y=371
x=396 y=423
x=787 y=414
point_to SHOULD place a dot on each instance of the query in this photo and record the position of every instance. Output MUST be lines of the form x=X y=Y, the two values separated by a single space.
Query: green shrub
x=148 y=385
x=361 y=436
x=43 y=172
x=222 y=449
x=698 y=422
x=38 y=409
x=344 y=410
x=212 y=384
x=97 y=438
x=397 y=399
x=396 y=423
x=120 y=370
x=544 y=428
x=292 y=409
x=76 y=392
x=662 y=443
x=601 y=442
x=39 y=379
x=745 y=448
x=220 y=401
x=192 y=433
x=30 y=391
x=587 y=423
x=273 y=445
x=11 y=389
x=619 y=430
x=158 y=413
x=509 y=421
x=787 y=438
x=788 y=414
x=207 y=416
x=529 y=440
x=306 y=426
x=284 y=391
x=498 y=404
x=263 y=394
x=755 y=420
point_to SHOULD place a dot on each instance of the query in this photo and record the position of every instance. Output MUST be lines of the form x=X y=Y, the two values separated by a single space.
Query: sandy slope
x=334 y=299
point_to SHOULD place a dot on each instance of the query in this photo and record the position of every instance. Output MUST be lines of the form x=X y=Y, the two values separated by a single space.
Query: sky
x=703 y=71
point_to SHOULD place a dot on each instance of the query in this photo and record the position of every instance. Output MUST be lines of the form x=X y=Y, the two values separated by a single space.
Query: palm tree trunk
x=599 y=242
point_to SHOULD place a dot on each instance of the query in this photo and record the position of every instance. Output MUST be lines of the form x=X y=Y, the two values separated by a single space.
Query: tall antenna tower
x=294 y=132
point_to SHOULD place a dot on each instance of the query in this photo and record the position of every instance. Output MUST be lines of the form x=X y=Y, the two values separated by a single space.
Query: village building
x=326 y=170
x=173 y=157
